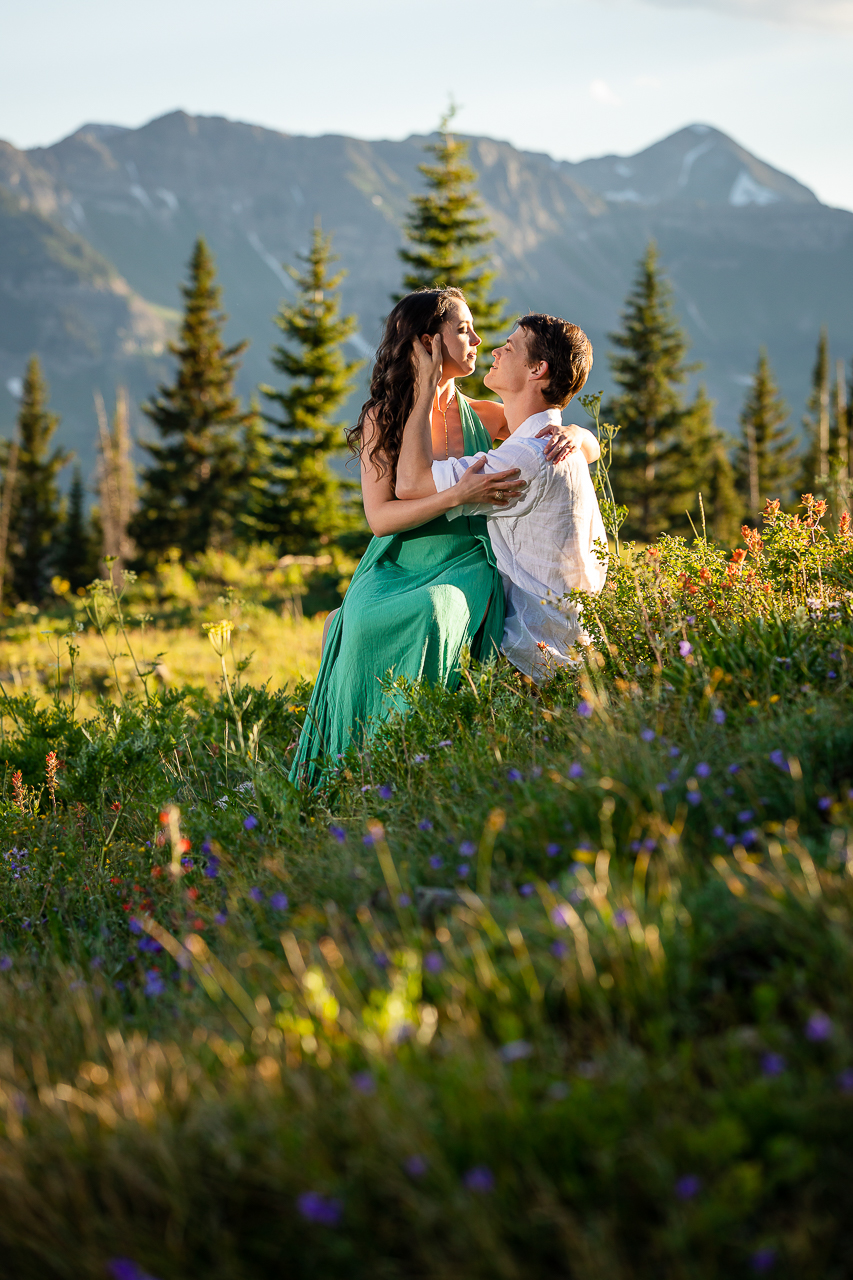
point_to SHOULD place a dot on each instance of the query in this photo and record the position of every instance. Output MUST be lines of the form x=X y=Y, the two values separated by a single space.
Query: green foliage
x=765 y=463
x=306 y=506
x=77 y=551
x=665 y=448
x=35 y=514
x=447 y=235
x=195 y=491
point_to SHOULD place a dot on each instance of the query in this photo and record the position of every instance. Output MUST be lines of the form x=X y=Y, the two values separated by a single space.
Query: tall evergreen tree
x=839 y=436
x=193 y=492
x=77 y=555
x=816 y=420
x=661 y=450
x=707 y=470
x=765 y=462
x=35 y=512
x=306 y=505
x=447 y=234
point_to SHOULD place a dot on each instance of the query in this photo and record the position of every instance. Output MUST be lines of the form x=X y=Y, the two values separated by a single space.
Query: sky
x=570 y=78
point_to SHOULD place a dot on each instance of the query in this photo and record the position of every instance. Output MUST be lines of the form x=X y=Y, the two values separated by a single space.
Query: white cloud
x=835 y=14
x=600 y=91
x=646 y=82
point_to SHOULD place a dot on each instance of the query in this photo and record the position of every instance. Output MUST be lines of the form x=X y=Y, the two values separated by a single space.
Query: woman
x=426 y=587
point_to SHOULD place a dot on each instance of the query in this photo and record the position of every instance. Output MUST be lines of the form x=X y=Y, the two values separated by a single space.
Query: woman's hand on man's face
x=497 y=488
x=427 y=363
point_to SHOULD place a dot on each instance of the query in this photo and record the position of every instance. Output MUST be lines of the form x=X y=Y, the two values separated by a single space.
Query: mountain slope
x=753 y=255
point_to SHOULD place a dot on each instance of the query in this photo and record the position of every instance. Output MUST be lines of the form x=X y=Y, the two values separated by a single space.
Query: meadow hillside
x=542 y=982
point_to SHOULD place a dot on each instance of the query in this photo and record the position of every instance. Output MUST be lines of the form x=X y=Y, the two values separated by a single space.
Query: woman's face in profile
x=459 y=342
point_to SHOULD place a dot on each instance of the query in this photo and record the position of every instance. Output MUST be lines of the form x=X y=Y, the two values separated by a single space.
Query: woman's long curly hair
x=392 y=386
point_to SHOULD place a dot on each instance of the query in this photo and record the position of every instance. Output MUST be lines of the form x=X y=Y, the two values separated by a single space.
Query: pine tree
x=660 y=453
x=816 y=460
x=839 y=440
x=447 y=233
x=77 y=554
x=306 y=505
x=707 y=470
x=116 y=483
x=35 y=513
x=194 y=490
x=765 y=464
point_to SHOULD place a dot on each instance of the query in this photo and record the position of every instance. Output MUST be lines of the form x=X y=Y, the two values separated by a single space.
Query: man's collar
x=532 y=425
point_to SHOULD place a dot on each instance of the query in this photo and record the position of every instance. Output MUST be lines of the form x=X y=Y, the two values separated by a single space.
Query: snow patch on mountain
x=745 y=190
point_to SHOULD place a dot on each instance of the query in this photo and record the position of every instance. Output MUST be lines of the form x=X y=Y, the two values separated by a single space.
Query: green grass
x=539 y=984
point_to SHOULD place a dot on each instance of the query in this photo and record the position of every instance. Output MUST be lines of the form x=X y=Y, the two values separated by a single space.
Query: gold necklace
x=443 y=413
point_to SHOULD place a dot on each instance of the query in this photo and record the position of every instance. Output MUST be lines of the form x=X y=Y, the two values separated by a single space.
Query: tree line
x=219 y=474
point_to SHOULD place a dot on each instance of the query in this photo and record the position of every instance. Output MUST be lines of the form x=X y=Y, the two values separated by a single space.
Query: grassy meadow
x=540 y=982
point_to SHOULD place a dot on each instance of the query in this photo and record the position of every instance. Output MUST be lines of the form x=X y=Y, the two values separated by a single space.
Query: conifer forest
x=543 y=981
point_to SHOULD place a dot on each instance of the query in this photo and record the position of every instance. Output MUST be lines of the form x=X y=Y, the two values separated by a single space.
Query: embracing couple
x=475 y=546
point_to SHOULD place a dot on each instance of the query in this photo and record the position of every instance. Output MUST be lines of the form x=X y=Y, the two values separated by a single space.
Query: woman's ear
x=426 y=339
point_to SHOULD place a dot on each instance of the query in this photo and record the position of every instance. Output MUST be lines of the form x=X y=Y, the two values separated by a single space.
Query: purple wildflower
x=404 y=900
x=367 y=839
x=424 y=825
x=134 y=926
x=446 y=742
x=212 y=869
x=773 y=1064
x=433 y=962
x=526 y=890
x=436 y=862
x=324 y=1210
x=819 y=1027
x=674 y=751
x=221 y=917
x=620 y=919
x=688 y=1186
x=415 y=1166
x=824 y=803
x=467 y=848
x=279 y=902
x=694 y=797
x=421 y=759
x=255 y=894
x=6 y=963
x=250 y=822
x=763 y=1260
x=575 y=771
x=560 y=917
x=207 y=848
x=718 y=715
x=479 y=1179
x=364 y=1082
x=745 y=815
x=463 y=870
x=584 y=709
x=685 y=648
x=648 y=735
x=126 y=1269
x=718 y=831
x=830 y=675
x=513 y=775
x=777 y=757
x=845 y=1080
x=734 y=768
x=552 y=850
x=515 y=1050
x=154 y=984
x=380 y=959
x=385 y=791
x=703 y=770
x=337 y=833
x=559 y=949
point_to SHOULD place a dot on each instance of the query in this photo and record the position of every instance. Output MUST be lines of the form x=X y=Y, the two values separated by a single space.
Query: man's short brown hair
x=567 y=350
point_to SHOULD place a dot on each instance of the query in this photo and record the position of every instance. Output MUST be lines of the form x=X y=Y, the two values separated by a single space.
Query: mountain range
x=96 y=231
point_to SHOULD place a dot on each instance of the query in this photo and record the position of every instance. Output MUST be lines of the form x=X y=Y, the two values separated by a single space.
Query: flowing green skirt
x=416 y=599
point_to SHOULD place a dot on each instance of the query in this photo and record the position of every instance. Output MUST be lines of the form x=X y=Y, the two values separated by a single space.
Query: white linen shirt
x=544 y=543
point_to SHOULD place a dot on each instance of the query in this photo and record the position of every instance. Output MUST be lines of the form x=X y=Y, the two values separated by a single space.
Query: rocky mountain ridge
x=95 y=233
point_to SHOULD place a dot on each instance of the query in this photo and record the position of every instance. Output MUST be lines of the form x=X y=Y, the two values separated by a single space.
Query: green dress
x=415 y=600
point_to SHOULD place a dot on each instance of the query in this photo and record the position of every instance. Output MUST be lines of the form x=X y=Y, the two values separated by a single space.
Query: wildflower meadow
x=543 y=981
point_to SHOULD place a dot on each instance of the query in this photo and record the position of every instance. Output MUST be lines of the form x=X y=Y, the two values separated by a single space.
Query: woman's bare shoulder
x=491 y=414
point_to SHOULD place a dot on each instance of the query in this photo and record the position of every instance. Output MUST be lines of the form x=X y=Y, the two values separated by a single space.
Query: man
x=544 y=538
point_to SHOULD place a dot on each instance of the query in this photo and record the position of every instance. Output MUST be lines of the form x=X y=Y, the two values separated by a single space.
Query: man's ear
x=539 y=372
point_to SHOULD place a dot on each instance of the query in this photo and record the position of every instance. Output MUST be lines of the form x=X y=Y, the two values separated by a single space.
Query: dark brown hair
x=567 y=350
x=392 y=385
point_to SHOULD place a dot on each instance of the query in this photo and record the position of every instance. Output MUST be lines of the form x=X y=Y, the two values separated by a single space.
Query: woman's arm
x=388 y=514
